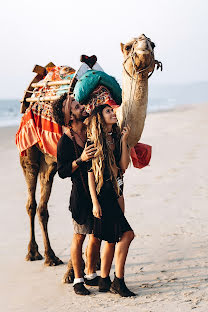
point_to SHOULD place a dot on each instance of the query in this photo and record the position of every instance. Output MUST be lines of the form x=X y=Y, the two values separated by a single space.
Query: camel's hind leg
x=47 y=171
x=30 y=165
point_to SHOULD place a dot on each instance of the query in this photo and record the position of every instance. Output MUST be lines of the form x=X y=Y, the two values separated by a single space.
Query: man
x=72 y=156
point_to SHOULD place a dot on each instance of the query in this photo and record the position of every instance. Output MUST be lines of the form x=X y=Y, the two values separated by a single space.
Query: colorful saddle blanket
x=37 y=124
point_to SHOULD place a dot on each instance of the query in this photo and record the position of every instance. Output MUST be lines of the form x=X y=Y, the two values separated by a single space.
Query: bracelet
x=79 y=161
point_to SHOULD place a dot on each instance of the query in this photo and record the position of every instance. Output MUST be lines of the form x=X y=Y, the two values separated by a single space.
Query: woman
x=106 y=189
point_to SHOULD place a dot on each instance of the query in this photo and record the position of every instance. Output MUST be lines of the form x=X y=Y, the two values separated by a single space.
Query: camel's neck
x=134 y=92
x=134 y=106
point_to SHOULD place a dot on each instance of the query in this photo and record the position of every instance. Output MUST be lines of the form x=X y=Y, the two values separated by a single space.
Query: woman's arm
x=97 y=212
x=125 y=158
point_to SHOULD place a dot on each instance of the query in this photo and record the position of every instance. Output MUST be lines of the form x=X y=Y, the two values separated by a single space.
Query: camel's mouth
x=144 y=45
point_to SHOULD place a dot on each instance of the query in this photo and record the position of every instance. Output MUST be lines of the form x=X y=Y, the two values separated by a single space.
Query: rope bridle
x=132 y=55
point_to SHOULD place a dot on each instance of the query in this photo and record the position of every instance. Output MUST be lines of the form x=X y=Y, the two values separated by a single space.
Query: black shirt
x=80 y=201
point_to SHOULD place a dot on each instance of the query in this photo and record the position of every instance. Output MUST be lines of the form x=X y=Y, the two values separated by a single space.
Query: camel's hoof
x=68 y=277
x=52 y=261
x=33 y=256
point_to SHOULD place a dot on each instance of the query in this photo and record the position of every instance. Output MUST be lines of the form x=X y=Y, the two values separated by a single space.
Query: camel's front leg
x=30 y=165
x=47 y=172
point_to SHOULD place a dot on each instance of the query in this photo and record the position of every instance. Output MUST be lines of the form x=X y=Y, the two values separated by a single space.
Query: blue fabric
x=64 y=88
x=90 y=80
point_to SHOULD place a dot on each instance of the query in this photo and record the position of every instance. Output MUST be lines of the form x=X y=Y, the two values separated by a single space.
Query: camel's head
x=139 y=56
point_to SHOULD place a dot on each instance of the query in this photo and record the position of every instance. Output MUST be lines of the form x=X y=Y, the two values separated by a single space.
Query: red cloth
x=141 y=155
x=38 y=128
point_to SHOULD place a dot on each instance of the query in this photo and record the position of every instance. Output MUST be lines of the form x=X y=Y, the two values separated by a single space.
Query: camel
x=138 y=63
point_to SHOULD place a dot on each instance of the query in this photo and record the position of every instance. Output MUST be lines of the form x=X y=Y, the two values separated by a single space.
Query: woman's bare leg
x=107 y=259
x=121 y=252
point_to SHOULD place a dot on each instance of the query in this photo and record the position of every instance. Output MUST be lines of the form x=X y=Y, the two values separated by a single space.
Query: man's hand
x=88 y=152
x=125 y=133
x=97 y=211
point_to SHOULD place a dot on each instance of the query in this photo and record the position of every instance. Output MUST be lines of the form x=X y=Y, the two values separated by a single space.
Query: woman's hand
x=97 y=211
x=125 y=133
x=88 y=152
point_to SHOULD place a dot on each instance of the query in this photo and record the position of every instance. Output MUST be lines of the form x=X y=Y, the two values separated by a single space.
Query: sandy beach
x=166 y=205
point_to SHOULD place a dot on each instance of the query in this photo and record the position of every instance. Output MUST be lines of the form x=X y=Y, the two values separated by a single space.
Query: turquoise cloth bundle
x=89 y=81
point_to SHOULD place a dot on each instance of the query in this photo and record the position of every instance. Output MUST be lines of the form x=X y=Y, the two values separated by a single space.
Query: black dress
x=80 y=200
x=113 y=223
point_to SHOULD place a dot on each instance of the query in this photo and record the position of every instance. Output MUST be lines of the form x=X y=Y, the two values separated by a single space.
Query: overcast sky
x=39 y=31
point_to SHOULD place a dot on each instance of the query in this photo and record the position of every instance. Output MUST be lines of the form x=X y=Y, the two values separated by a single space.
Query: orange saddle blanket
x=38 y=126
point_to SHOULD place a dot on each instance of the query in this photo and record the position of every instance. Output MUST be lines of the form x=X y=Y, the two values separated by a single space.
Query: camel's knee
x=31 y=207
x=43 y=214
x=47 y=172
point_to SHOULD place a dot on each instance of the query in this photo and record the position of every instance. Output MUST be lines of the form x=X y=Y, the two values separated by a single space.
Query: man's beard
x=80 y=118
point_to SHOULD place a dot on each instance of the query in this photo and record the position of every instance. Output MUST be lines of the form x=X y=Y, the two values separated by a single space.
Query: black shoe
x=104 y=284
x=118 y=286
x=92 y=282
x=80 y=289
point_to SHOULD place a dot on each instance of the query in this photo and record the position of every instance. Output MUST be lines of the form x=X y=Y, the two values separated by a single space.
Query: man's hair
x=57 y=106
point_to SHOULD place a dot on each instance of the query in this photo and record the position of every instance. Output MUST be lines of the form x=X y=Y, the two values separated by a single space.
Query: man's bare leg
x=93 y=252
x=76 y=257
x=76 y=254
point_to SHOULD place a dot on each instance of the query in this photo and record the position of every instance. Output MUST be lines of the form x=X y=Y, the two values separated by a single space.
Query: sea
x=161 y=98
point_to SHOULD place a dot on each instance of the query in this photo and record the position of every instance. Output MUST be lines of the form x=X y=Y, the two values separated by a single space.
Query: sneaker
x=104 y=284
x=92 y=282
x=118 y=286
x=80 y=289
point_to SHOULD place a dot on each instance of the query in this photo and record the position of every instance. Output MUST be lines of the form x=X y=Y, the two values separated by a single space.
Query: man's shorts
x=85 y=228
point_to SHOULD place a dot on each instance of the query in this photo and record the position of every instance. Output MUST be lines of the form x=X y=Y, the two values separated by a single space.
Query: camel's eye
x=128 y=47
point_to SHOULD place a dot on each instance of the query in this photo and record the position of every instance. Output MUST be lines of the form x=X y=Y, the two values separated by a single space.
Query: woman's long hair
x=97 y=133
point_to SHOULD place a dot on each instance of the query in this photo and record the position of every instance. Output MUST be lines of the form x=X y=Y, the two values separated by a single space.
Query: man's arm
x=66 y=165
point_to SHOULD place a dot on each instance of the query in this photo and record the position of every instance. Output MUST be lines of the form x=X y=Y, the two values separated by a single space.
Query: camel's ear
x=152 y=45
x=122 y=47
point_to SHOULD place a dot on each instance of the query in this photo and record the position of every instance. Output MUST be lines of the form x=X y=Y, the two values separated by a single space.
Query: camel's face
x=140 y=52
